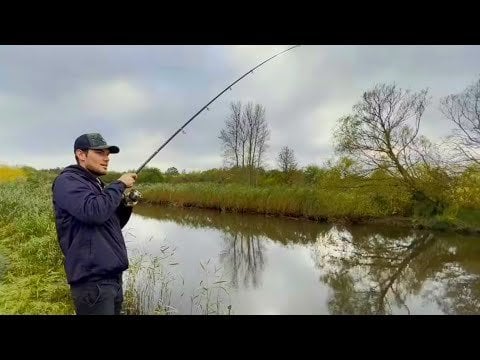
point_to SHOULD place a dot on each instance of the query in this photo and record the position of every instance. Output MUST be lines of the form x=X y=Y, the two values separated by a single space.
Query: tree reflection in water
x=368 y=269
x=377 y=273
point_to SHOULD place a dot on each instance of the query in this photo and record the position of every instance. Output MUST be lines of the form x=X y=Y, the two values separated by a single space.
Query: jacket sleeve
x=78 y=199
x=124 y=213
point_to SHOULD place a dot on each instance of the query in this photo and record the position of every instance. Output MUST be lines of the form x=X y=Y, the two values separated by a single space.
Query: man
x=89 y=221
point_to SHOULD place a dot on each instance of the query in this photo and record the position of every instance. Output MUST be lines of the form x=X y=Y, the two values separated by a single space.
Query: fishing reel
x=131 y=196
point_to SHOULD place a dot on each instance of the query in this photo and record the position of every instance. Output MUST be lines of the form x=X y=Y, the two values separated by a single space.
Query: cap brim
x=113 y=149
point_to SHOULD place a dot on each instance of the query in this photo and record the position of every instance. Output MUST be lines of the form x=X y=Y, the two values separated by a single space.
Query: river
x=223 y=263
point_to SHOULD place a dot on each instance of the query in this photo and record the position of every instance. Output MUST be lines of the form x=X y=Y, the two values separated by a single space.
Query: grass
x=3 y=266
x=307 y=202
x=34 y=280
x=462 y=220
x=354 y=205
x=148 y=284
x=212 y=293
x=151 y=281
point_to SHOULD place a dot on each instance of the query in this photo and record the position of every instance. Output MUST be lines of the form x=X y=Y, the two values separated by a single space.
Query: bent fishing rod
x=206 y=107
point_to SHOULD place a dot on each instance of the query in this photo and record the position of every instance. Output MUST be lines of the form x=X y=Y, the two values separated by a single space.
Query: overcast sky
x=138 y=96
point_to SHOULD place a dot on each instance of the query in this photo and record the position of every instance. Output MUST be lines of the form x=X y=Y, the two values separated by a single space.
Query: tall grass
x=153 y=287
x=308 y=202
x=148 y=285
x=3 y=266
x=212 y=296
x=34 y=280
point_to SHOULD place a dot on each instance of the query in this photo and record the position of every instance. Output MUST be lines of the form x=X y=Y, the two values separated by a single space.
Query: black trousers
x=98 y=296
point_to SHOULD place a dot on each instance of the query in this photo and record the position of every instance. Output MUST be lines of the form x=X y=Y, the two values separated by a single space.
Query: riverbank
x=323 y=205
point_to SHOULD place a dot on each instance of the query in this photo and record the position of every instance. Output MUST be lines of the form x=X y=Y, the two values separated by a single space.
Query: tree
x=313 y=173
x=382 y=132
x=244 y=138
x=151 y=175
x=230 y=136
x=286 y=160
x=256 y=135
x=171 y=171
x=463 y=110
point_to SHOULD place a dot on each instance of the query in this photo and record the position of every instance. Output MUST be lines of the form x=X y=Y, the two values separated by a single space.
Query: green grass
x=307 y=202
x=3 y=266
x=145 y=275
x=469 y=217
x=33 y=281
x=351 y=204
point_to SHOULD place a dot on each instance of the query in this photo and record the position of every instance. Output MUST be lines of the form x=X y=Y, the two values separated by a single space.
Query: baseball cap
x=94 y=141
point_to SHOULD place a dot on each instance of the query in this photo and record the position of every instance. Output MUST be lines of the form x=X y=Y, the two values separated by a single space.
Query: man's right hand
x=128 y=179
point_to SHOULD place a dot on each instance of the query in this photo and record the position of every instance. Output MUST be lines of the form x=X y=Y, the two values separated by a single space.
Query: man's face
x=95 y=161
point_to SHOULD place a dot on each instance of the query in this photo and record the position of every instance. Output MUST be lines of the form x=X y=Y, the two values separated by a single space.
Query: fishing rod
x=206 y=106
x=131 y=196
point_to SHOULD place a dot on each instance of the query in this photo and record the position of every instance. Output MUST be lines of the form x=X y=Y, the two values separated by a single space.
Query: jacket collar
x=80 y=170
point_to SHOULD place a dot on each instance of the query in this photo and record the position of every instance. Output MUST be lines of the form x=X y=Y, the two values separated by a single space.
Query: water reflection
x=377 y=273
x=286 y=266
x=243 y=258
x=370 y=274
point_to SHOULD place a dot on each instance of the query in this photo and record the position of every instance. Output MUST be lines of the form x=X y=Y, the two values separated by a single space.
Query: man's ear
x=81 y=155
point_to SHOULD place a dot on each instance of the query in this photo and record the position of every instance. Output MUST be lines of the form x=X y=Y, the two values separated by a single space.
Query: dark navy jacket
x=89 y=222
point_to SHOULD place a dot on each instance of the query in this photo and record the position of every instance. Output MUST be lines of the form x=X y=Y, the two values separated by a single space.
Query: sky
x=137 y=96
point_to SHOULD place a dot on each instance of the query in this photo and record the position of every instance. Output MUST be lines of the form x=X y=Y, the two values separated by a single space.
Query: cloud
x=116 y=97
x=138 y=96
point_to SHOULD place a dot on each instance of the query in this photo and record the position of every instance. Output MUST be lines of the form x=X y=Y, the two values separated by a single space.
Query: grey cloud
x=47 y=96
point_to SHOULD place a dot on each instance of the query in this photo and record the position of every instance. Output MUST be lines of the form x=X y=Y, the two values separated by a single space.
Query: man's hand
x=128 y=179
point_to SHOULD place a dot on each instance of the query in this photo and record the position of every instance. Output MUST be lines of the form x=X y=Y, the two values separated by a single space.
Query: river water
x=204 y=261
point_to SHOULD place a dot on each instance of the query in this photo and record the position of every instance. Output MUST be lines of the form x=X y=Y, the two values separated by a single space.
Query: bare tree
x=256 y=134
x=245 y=136
x=463 y=110
x=286 y=159
x=231 y=135
x=382 y=132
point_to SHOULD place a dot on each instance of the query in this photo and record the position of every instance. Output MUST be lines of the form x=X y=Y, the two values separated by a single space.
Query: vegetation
x=385 y=169
x=32 y=277
x=9 y=174
x=463 y=111
x=34 y=280
x=151 y=280
x=385 y=166
x=334 y=193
